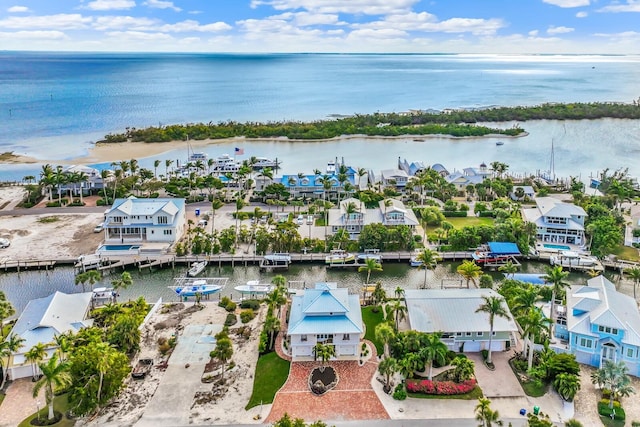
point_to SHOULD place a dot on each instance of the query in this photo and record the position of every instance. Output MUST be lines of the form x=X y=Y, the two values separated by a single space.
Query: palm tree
x=470 y=271
x=379 y=295
x=493 y=307
x=324 y=352
x=7 y=348
x=399 y=292
x=370 y=265
x=399 y=311
x=567 y=385
x=387 y=367
x=614 y=376
x=433 y=350
x=634 y=274
x=533 y=324
x=271 y=327
x=36 y=354
x=429 y=260
x=509 y=269
x=167 y=165
x=487 y=416
x=64 y=345
x=556 y=277
x=384 y=333
x=55 y=374
x=6 y=310
x=275 y=299
x=123 y=282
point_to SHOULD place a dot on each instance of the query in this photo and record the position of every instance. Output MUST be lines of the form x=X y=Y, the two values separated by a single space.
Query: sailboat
x=550 y=175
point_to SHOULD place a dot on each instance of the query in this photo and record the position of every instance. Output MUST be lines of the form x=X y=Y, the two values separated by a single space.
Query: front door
x=608 y=353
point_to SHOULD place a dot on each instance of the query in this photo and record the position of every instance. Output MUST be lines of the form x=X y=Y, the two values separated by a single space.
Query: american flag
x=239 y=151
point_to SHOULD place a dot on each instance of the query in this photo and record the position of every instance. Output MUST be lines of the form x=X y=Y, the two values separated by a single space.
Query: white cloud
x=533 y=33
x=110 y=5
x=34 y=35
x=190 y=26
x=631 y=6
x=559 y=30
x=61 y=21
x=106 y=23
x=366 y=7
x=159 y=4
x=18 y=9
x=139 y=36
x=568 y=3
x=369 y=33
x=582 y=14
x=427 y=22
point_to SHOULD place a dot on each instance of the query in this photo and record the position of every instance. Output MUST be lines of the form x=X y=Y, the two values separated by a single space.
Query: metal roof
x=503 y=248
x=134 y=206
x=453 y=310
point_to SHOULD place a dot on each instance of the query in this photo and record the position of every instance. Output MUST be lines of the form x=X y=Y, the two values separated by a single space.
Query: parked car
x=310 y=219
x=203 y=223
x=300 y=220
x=4 y=243
x=98 y=228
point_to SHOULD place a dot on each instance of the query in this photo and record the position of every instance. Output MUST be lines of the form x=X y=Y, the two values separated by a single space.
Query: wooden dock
x=29 y=264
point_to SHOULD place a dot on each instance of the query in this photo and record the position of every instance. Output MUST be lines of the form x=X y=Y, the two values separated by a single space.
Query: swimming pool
x=119 y=247
x=561 y=247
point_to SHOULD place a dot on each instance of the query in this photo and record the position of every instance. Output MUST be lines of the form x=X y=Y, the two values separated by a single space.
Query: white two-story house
x=557 y=222
x=326 y=314
x=133 y=220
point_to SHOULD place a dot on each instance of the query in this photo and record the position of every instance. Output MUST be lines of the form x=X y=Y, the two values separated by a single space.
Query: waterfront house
x=134 y=220
x=396 y=178
x=453 y=313
x=351 y=215
x=43 y=319
x=312 y=186
x=600 y=323
x=527 y=193
x=81 y=178
x=412 y=168
x=326 y=314
x=556 y=221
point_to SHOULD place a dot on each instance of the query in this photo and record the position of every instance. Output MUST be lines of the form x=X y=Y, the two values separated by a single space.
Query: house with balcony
x=599 y=323
x=313 y=186
x=351 y=215
x=134 y=220
x=453 y=313
x=41 y=321
x=325 y=314
x=557 y=221
x=396 y=178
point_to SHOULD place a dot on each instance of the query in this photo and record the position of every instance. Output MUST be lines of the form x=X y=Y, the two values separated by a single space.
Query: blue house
x=312 y=186
x=600 y=324
x=328 y=315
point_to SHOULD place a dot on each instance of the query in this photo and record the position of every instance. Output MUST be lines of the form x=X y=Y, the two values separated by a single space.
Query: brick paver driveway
x=351 y=399
x=499 y=383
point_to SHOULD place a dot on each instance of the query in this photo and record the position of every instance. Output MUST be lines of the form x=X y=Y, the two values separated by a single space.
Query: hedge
x=605 y=411
x=457 y=214
x=487 y=214
x=440 y=387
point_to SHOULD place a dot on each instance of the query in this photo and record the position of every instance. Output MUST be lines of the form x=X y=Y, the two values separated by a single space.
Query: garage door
x=497 y=345
x=472 y=346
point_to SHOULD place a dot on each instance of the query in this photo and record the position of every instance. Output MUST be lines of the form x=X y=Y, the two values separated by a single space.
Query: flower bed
x=440 y=387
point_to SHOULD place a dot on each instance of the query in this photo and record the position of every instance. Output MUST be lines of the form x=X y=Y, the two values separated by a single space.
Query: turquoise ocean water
x=55 y=105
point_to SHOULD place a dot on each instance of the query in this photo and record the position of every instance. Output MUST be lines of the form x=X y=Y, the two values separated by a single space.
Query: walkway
x=19 y=403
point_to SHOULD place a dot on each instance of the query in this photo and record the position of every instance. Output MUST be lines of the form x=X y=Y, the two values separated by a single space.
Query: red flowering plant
x=440 y=387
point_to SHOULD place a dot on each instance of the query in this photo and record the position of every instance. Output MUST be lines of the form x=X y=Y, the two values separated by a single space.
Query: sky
x=342 y=26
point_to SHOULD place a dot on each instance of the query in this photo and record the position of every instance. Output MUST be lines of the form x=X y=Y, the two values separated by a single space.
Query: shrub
x=253 y=304
x=616 y=404
x=454 y=214
x=231 y=307
x=448 y=388
x=247 y=315
x=485 y=354
x=227 y=304
x=400 y=393
x=605 y=411
x=231 y=319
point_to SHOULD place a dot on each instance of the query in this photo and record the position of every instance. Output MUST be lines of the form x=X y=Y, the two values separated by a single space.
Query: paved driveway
x=171 y=403
x=19 y=403
x=499 y=383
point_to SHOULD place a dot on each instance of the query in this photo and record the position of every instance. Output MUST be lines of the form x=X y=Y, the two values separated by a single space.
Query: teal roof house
x=600 y=323
x=326 y=314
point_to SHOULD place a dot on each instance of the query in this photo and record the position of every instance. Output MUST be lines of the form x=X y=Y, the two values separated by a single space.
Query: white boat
x=226 y=163
x=573 y=259
x=263 y=162
x=277 y=258
x=339 y=256
x=414 y=262
x=369 y=255
x=254 y=287
x=103 y=293
x=198 y=157
x=331 y=167
x=202 y=286
x=196 y=268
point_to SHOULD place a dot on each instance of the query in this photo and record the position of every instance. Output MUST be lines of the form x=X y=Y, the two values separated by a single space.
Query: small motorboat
x=253 y=287
x=200 y=286
x=196 y=268
x=500 y=143
x=339 y=256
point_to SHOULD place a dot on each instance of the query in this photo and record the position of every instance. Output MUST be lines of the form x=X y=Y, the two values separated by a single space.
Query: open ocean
x=55 y=105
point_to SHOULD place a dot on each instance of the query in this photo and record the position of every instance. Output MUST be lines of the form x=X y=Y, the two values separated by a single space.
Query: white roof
x=453 y=310
x=134 y=206
x=43 y=318
x=549 y=206
x=598 y=303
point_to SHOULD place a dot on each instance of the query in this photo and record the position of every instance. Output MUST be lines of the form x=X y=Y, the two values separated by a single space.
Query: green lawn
x=531 y=388
x=271 y=374
x=60 y=404
x=474 y=394
x=627 y=253
x=459 y=222
x=371 y=320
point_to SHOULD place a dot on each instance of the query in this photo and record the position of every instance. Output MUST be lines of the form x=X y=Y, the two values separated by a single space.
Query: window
x=163 y=220
x=303 y=337
x=168 y=232
x=600 y=328
x=479 y=334
x=629 y=352
x=467 y=334
x=587 y=343
x=345 y=337
x=117 y=219
x=458 y=334
x=493 y=334
x=614 y=331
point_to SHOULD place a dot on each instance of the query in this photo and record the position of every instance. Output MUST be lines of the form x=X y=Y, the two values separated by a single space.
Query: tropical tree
x=324 y=352
x=493 y=306
x=123 y=282
x=64 y=345
x=223 y=352
x=399 y=312
x=429 y=260
x=485 y=415
x=55 y=374
x=634 y=274
x=125 y=334
x=272 y=326
x=533 y=323
x=614 y=376
x=567 y=385
x=464 y=369
x=509 y=269
x=385 y=334
x=387 y=367
x=370 y=265
x=35 y=355
x=90 y=276
x=6 y=310
x=556 y=277
x=433 y=350
x=470 y=271
x=7 y=347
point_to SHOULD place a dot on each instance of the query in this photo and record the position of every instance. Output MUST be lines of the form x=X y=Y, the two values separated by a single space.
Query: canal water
x=24 y=286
